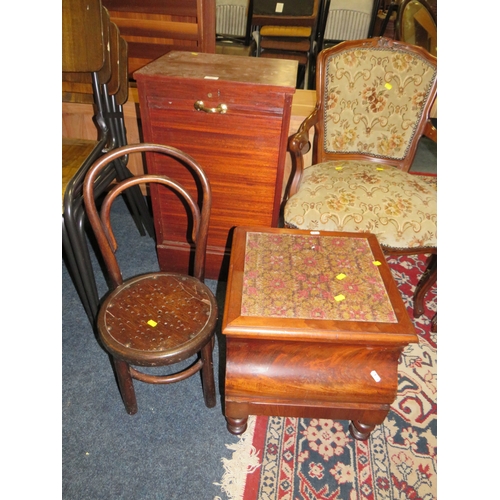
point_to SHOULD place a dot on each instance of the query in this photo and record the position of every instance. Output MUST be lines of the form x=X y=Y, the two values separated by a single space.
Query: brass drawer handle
x=199 y=106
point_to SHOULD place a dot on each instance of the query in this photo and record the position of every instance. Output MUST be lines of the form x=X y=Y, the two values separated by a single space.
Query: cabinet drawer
x=238 y=99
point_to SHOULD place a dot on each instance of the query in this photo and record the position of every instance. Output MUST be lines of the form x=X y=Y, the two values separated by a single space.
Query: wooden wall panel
x=154 y=27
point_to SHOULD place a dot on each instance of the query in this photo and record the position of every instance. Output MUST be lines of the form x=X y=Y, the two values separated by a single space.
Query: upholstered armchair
x=374 y=98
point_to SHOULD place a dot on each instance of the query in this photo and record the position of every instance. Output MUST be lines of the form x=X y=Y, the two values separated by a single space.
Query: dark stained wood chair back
x=82 y=21
x=289 y=34
x=78 y=86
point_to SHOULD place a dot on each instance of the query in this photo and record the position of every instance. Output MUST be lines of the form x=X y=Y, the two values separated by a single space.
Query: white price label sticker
x=279 y=7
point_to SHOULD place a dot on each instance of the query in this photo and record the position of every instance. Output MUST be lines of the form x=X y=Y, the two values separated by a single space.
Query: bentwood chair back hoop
x=373 y=103
x=159 y=318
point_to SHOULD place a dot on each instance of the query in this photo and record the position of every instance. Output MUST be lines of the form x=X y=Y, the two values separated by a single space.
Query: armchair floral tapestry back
x=374 y=99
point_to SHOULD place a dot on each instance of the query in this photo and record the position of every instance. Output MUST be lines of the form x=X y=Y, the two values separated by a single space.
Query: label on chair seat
x=279 y=7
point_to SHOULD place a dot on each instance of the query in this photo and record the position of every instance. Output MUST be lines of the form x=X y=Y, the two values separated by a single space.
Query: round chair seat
x=159 y=317
x=355 y=196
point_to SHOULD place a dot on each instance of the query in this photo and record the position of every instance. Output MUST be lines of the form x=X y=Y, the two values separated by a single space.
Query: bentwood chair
x=374 y=98
x=160 y=318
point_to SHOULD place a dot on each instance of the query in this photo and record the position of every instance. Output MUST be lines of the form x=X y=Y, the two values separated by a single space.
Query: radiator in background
x=231 y=17
x=347 y=25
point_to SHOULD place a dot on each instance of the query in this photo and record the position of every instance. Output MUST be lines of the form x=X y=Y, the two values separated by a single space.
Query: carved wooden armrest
x=299 y=145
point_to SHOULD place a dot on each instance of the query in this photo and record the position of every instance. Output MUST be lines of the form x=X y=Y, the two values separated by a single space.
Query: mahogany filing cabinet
x=232 y=115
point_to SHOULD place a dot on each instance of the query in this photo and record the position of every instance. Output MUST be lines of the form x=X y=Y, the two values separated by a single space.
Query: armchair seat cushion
x=358 y=196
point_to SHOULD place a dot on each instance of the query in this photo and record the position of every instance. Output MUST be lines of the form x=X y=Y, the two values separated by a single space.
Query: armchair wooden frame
x=299 y=143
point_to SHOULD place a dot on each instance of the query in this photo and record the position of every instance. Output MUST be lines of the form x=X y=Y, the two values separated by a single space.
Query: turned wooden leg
x=434 y=323
x=426 y=281
x=207 y=375
x=359 y=430
x=236 y=426
x=126 y=385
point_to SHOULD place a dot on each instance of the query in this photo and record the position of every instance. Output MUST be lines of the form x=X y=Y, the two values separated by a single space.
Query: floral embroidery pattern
x=295 y=276
x=398 y=207
x=376 y=96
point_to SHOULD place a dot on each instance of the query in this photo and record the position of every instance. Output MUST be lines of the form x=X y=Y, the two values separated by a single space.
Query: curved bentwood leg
x=126 y=385
x=207 y=375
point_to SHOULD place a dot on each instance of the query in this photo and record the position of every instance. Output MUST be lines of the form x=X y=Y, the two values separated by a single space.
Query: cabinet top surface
x=307 y=280
x=313 y=276
x=203 y=66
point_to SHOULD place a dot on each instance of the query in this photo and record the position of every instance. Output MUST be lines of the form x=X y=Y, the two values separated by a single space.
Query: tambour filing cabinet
x=232 y=115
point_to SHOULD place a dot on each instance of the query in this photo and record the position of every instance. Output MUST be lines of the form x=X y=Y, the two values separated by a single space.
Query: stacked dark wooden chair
x=159 y=318
x=289 y=33
x=94 y=71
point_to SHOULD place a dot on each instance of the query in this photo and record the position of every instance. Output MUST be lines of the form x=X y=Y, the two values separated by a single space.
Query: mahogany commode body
x=314 y=327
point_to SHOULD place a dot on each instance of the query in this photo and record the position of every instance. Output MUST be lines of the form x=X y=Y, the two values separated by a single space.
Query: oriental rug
x=282 y=458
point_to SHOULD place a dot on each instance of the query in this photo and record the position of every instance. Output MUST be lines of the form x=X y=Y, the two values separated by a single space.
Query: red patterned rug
x=282 y=458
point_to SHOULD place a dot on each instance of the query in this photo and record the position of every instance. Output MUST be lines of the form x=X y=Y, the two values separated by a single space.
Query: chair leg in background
x=75 y=227
x=207 y=375
x=74 y=272
x=434 y=323
x=126 y=385
x=426 y=281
